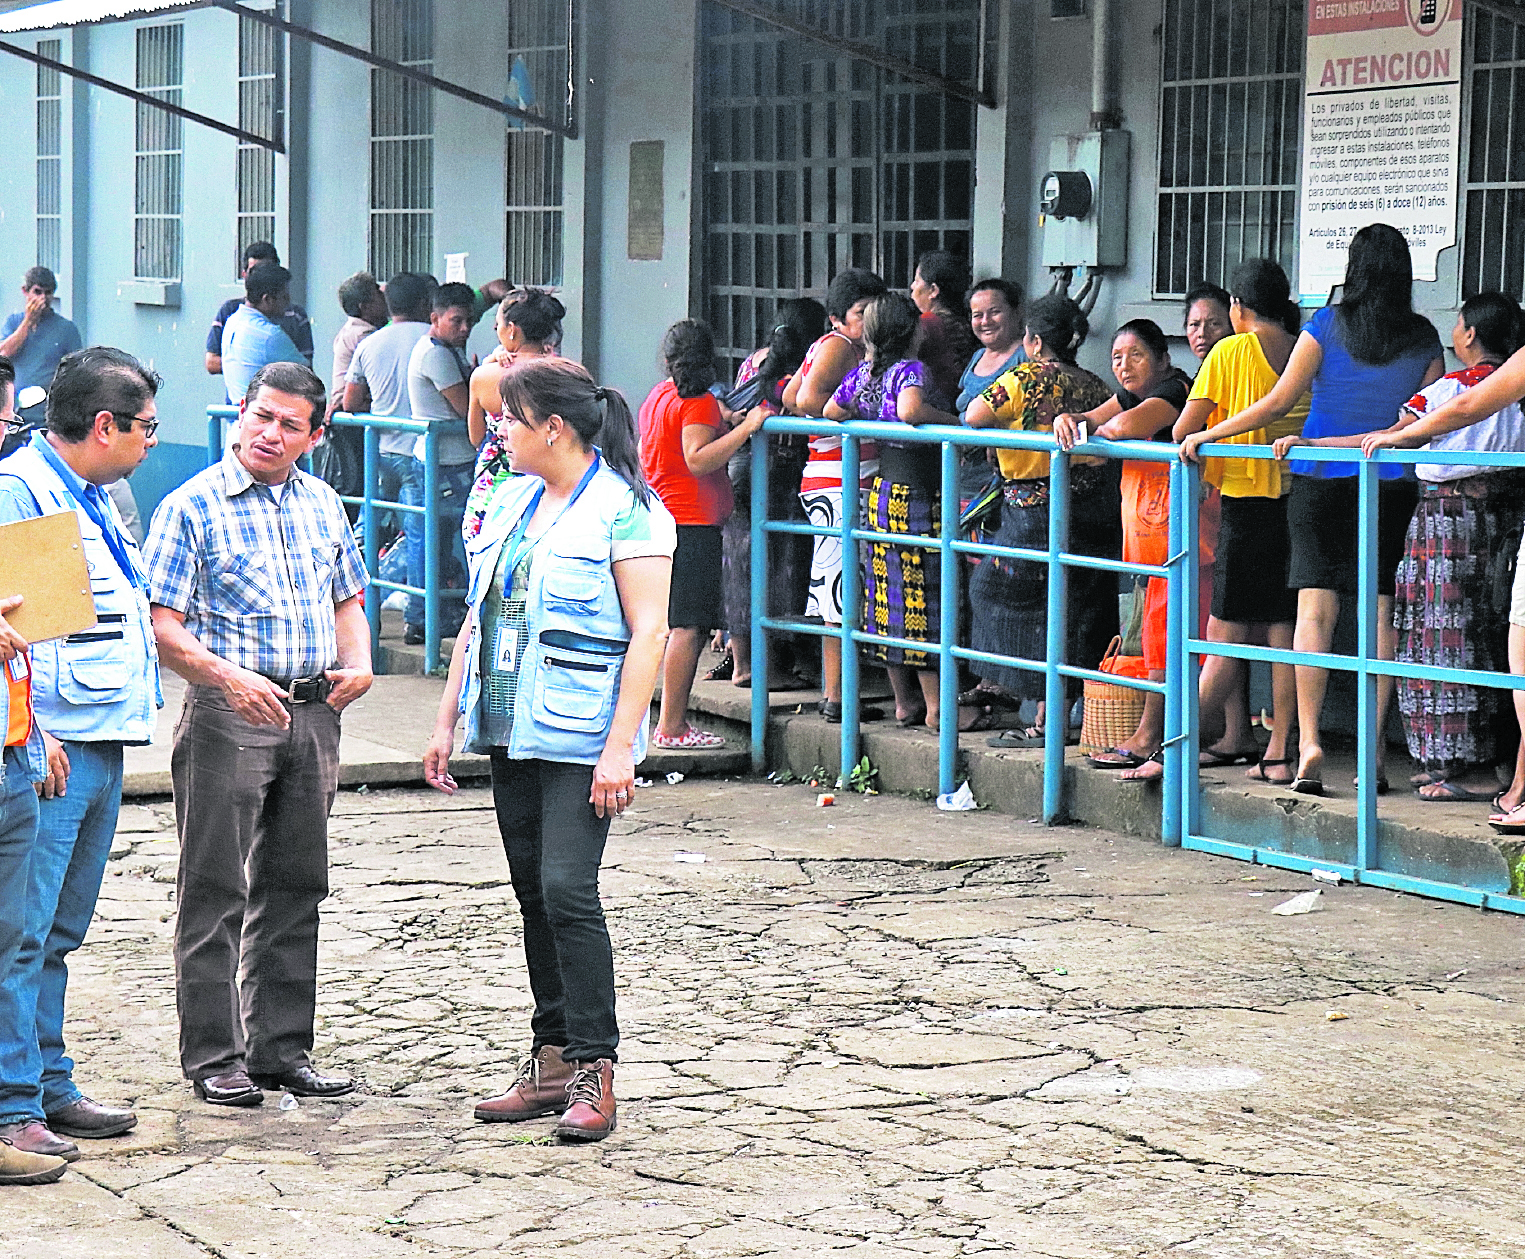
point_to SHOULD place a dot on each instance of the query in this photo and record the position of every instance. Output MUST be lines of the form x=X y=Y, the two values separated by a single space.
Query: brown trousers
x=251 y=806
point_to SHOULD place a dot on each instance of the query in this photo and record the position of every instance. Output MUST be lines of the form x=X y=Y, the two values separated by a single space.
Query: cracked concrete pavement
x=867 y=1031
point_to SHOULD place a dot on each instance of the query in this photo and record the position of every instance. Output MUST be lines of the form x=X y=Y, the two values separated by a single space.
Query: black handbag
x=983 y=515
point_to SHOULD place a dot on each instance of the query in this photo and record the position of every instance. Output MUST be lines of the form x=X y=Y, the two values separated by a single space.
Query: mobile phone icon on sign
x=1427 y=11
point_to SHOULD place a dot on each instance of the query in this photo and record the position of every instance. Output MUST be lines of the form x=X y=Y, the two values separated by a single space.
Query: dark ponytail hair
x=1060 y=324
x=1260 y=285
x=800 y=321
x=688 y=352
x=949 y=275
x=1376 y=314
x=1497 y=320
x=1147 y=331
x=535 y=313
x=535 y=388
x=890 y=324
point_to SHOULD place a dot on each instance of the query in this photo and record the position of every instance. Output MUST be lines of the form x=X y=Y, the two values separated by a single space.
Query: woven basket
x=1112 y=712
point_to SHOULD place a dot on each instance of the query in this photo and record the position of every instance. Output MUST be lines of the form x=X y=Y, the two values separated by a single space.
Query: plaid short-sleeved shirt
x=257 y=578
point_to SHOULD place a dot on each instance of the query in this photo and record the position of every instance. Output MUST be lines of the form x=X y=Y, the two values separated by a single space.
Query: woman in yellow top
x=1010 y=597
x=1251 y=601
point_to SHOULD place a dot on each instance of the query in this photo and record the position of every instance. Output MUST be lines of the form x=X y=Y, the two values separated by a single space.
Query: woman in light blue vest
x=553 y=671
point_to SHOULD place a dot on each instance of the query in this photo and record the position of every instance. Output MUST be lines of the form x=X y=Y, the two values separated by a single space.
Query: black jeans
x=555 y=843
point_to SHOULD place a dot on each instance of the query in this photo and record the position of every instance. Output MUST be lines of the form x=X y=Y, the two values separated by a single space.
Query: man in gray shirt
x=377 y=382
x=439 y=378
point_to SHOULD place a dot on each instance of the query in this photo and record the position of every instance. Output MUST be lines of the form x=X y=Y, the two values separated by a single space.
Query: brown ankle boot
x=541 y=1089
x=590 y=1116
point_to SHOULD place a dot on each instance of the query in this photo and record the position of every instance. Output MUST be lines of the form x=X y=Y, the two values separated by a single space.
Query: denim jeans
x=555 y=844
x=18 y=833
x=74 y=833
x=455 y=481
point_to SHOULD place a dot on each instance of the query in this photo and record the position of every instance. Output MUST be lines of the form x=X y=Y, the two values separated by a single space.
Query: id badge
x=18 y=668
x=506 y=649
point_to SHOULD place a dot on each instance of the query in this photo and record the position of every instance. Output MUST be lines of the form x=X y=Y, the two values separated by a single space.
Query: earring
x=550 y=441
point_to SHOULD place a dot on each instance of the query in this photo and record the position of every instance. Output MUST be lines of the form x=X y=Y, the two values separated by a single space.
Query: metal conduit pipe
x=1105 y=114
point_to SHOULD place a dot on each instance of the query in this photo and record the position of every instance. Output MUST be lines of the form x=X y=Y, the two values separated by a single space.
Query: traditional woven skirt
x=788 y=553
x=1445 y=615
x=901 y=585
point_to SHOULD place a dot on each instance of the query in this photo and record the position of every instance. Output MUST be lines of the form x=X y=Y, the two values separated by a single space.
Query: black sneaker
x=412 y=635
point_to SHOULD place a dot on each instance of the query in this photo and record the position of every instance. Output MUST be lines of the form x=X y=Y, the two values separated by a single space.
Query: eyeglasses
x=13 y=423
x=149 y=426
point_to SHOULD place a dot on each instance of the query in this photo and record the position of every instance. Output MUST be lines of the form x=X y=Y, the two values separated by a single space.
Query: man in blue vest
x=92 y=693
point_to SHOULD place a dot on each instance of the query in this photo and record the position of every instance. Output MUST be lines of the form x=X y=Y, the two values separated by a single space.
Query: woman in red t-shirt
x=685 y=445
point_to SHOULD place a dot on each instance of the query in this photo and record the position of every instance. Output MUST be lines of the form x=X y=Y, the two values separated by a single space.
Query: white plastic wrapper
x=960 y=801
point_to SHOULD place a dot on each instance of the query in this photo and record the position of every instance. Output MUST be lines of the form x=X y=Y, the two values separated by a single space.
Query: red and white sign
x=1381 y=131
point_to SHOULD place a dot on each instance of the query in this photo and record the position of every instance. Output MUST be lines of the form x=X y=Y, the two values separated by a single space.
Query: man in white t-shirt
x=377 y=381
x=439 y=376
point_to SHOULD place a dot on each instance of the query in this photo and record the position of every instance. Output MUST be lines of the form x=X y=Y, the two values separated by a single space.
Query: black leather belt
x=311 y=690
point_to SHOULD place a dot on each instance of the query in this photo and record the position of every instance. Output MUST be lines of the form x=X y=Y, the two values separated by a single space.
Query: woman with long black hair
x=554 y=669
x=1362 y=359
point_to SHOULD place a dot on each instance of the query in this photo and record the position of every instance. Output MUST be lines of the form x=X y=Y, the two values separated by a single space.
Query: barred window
x=539 y=58
x=1231 y=99
x=159 y=178
x=260 y=50
x=50 y=149
x=402 y=140
x=1493 y=244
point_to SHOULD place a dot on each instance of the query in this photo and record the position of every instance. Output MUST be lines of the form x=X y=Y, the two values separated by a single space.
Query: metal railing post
x=1367 y=639
x=852 y=606
x=1056 y=713
x=1170 y=821
x=759 y=601
x=947 y=630
x=431 y=551
x=1191 y=763
x=214 y=437
x=370 y=490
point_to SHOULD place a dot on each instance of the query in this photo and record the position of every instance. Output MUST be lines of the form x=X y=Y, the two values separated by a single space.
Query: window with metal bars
x=159 y=176
x=260 y=53
x=50 y=142
x=1493 y=242
x=402 y=140
x=539 y=56
x=1231 y=98
x=815 y=161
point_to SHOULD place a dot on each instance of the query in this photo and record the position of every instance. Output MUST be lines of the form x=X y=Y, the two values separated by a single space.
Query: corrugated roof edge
x=60 y=13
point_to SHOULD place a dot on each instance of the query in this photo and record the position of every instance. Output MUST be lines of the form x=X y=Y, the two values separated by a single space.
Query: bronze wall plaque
x=644 y=233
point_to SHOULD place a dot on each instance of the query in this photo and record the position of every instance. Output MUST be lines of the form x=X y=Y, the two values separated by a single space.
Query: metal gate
x=815 y=160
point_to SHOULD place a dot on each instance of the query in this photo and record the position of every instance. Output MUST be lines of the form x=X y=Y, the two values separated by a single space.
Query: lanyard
x=93 y=510
x=518 y=546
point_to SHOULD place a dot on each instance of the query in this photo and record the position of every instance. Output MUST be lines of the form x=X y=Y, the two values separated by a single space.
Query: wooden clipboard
x=43 y=560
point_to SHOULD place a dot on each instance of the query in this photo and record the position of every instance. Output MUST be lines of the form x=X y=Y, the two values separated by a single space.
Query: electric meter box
x=1083 y=200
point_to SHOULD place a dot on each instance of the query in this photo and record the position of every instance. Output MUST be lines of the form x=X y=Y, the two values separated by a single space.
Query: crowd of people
x=595 y=550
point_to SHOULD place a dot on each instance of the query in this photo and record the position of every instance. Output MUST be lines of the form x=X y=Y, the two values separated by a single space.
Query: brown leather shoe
x=17 y=1167
x=541 y=1089
x=590 y=1117
x=231 y=1088
x=34 y=1137
x=89 y=1119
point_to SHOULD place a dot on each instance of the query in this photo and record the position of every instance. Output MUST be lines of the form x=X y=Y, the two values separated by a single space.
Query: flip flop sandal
x=1124 y=759
x=1258 y=772
x=1308 y=786
x=1208 y=759
x=1450 y=793
x=1031 y=737
x=1141 y=774
x=692 y=739
x=1383 y=786
x=986 y=719
x=988 y=698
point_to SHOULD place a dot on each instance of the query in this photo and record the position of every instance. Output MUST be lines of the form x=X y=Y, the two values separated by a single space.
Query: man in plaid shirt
x=255 y=584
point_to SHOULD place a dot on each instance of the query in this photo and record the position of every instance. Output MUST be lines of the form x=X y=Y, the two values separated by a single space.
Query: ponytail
x=535 y=388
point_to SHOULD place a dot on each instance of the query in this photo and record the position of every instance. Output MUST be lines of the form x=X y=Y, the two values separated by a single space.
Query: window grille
x=1231 y=100
x=159 y=180
x=539 y=58
x=260 y=71
x=402 y=140
x=50 y=139
x=815 y=161
x=1493 y=243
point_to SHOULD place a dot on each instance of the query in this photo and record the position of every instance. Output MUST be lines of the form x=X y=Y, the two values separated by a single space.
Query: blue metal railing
x=371 y=505
x=1181 y=821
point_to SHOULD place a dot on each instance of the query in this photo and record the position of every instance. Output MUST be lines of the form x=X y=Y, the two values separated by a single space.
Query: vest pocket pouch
x=91 y=677
x=572 y=585
x=575 y=690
